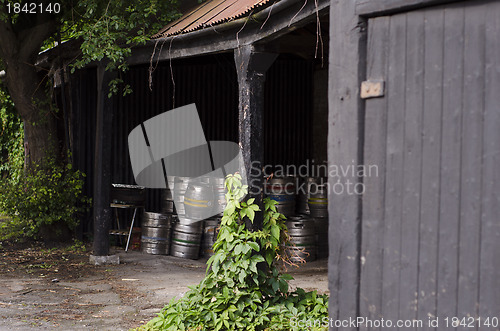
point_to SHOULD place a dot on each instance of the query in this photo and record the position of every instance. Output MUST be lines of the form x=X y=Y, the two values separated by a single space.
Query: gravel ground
x=55 y=288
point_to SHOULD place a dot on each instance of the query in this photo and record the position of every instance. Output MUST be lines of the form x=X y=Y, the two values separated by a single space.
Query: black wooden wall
x=209 y=82
x=427 y=243
x=432 y=220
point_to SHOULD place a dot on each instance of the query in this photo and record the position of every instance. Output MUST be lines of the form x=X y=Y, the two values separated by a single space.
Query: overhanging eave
x=264 y=26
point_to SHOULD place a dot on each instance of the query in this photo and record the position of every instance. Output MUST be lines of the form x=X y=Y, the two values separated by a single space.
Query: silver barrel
x=199 y=201
x=180 y=187
x=210 y=232
x=156 y=230
x=186 y=239
x=219 y=195
x=306 y=185
x=302 y=233
x=318 y=201
x=167 y=201
x=283 y=191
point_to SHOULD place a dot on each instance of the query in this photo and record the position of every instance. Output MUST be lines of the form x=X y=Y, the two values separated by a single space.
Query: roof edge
x=263 y=14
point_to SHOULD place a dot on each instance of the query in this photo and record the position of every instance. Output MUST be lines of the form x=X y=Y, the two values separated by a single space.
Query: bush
x=47 y=196
x=243 y=288
x=11 y=139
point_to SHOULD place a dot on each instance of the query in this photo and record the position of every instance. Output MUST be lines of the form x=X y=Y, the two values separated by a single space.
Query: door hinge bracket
x=372 y=88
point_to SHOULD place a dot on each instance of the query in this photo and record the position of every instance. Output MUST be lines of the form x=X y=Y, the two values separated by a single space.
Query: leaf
x=275 y=285
x=253 y=267
x=254 y=246
x=257 y=258
x=237 y=181
x=230 y=208
x=269 y=258
x=275 y=232
x=255 y=207
x=246 y=248
x=283 y=285
x=251 y=214
x=215 y=265
x=238 y=249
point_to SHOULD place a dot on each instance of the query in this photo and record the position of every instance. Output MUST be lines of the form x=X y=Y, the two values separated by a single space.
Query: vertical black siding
x=373 y=212
x=209 y=82
x=431 y=220
x=83 y=118
x=288 y=117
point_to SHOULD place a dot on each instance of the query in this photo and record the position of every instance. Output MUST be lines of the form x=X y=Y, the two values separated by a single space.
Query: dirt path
x=57 y=289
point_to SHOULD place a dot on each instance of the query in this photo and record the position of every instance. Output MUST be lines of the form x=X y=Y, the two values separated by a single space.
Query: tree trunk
x=19 y=47
x=28 y=91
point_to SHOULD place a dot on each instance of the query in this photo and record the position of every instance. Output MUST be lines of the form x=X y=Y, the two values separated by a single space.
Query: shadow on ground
x=57 y=289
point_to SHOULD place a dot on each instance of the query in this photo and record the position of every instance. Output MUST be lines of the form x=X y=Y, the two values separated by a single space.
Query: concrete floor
x=125 y=296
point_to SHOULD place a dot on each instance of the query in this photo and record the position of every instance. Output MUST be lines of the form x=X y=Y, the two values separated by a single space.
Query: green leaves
x=11 y=138
x=243 y=288
x=275 y=232
x=108 y=29
x=49 y=193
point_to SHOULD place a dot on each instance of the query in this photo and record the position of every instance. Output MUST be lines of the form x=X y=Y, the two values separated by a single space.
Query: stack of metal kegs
x=304 y=202
x=186 y=226
x=183 y=229
x=317 y=201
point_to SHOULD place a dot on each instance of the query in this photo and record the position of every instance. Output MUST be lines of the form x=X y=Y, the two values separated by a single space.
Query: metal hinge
x=372 y=88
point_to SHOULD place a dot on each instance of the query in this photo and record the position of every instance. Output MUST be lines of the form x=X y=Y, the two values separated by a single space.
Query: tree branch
x=8 y=40
x=33 y=37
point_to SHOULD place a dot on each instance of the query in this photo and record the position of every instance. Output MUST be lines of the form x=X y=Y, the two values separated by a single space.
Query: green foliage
x=11 y=139
x=47 y=194
x=109 y=29
x=77 y=247
x=243 y=288
x=106 y=29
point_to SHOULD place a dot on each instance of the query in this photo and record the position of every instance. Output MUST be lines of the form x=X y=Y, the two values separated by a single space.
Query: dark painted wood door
x=431 y=218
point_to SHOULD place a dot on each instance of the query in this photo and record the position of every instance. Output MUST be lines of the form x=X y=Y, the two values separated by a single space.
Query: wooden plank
x=396 y=74
x=412 y=165
x=431 y=158
x=251 y=68
x=374 y=154
x=450 y=163
x=470 y=201
x=102 y=165
x=489 y=294
x=373 y=8
x=347 y=35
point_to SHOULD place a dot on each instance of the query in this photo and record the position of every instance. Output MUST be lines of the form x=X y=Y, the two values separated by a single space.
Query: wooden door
x=430 y=242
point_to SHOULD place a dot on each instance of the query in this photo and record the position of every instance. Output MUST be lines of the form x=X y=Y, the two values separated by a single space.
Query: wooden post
x=251 y=67
x=102 y=165
x=345 y=141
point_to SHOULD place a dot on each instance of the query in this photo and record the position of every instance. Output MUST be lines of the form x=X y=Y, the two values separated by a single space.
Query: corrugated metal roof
x=209 y=13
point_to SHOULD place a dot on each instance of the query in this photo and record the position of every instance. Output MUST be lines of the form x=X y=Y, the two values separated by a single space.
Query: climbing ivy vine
x=244 y=288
